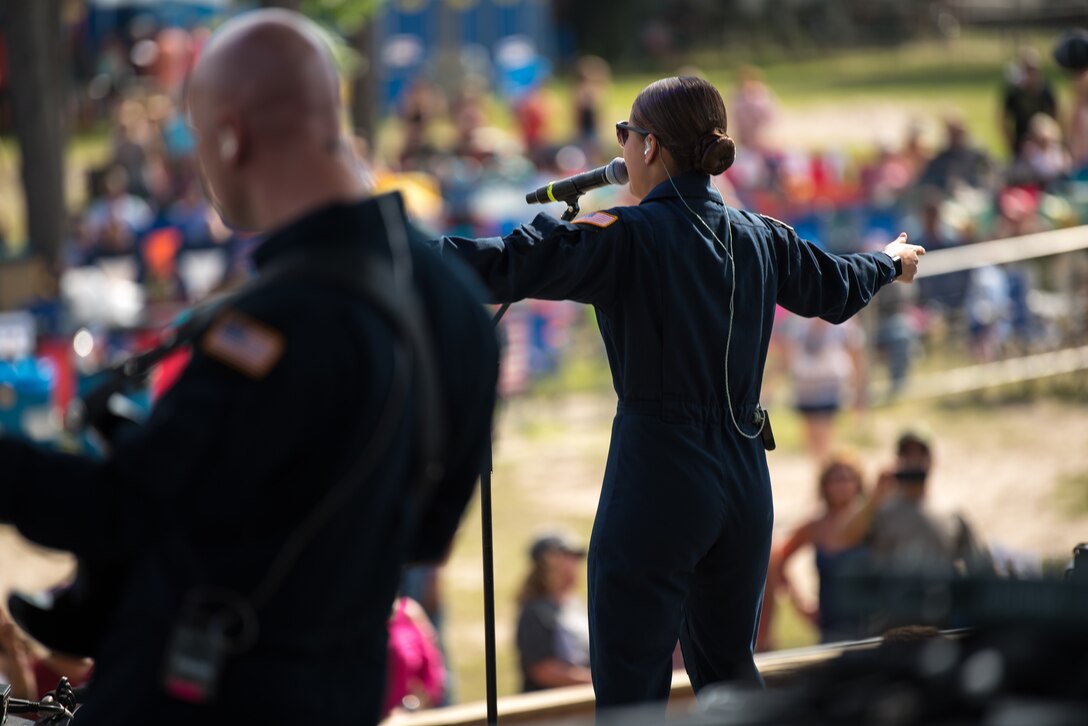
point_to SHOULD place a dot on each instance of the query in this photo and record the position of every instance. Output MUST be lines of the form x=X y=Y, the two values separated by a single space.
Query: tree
x=35 y=60
x=355 y=18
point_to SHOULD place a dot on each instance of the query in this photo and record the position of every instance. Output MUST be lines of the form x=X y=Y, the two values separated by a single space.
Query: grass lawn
x=926 y=78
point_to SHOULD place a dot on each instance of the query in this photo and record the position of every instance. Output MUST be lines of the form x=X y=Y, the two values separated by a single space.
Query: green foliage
x=346 y=15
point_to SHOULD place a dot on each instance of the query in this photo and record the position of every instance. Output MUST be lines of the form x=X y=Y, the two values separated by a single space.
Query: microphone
x=564 y=190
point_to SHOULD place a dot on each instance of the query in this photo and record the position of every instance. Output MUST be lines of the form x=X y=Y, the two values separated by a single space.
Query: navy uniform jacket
x=682 y=531
x=660 y=286
x=258 y=428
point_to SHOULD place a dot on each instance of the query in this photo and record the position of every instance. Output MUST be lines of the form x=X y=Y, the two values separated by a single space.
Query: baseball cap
x=555 y=542
x=917 y=436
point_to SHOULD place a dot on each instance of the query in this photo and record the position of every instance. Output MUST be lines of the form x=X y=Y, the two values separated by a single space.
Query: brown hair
x=835 y=462
x=687 y=115
x=538 y=583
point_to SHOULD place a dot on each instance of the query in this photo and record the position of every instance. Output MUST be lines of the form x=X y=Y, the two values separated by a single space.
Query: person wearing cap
x=901 y=532
x=553 y=625
x=960 y=163
x=1027 y=95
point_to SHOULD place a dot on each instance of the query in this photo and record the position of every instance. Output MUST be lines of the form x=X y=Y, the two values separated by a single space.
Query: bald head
x=264 y=97
x=273 y=68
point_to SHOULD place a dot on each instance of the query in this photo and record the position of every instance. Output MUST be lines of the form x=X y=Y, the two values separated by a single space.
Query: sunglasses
x=623 y=129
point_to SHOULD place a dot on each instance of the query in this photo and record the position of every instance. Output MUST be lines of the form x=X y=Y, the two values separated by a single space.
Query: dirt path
x=1000 y=467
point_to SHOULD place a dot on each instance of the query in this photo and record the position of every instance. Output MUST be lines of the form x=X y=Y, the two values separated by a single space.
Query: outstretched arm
x=812 y=282
x=548 y=259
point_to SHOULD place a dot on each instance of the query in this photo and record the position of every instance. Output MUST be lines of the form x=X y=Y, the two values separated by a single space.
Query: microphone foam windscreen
x=616 y=173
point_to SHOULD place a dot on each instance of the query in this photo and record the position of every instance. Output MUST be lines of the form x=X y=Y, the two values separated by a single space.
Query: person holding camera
x=901 y=532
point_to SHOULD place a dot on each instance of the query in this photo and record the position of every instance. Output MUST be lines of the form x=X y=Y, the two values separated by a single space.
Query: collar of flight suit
x=691 y=185
x=339 y=222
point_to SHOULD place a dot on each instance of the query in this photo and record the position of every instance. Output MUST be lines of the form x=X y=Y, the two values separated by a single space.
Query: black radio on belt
x=763 y=421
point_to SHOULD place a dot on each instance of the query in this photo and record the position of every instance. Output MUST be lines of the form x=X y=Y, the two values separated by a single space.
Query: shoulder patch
x=598 y=219
x=244 y=344
x=776 y=222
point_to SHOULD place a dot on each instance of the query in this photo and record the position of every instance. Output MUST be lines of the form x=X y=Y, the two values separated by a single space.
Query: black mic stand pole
x=489 y=540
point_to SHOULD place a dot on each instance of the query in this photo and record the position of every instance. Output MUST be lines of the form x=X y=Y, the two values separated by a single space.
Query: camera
x=1078 y=568
x=911 y=476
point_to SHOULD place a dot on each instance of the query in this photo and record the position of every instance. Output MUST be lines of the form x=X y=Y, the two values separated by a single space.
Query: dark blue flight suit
x=265 y=420
x=683 y=528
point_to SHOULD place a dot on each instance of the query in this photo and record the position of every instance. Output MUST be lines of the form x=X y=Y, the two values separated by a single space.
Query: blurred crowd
x=464 y=158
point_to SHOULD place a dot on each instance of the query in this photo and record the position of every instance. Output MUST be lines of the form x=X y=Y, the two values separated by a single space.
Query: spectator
x=422 y=105
x=1027 y=94
x=885 y=178
x=130 y=145
x=1077 y=130
x=901 y=532
x=468 y=115
x=189 y=214
x=942 y=294
x=841 y=487
x=423 y=584
x=553 y=625
x=914 y=156
x=897 y=334
x=593 y=76
x=531 y=115
x=989 y=308
x=827 y=371
x=417 y=673
x=959 y=163
x=113 y=222
x=752 y=110
x=1043 y=159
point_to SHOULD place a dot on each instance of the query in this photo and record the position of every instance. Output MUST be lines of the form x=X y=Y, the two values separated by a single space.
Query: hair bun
x=714 y=152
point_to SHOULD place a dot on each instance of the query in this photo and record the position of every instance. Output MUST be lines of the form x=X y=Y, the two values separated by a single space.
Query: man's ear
x=230 y=141
x=228 y=145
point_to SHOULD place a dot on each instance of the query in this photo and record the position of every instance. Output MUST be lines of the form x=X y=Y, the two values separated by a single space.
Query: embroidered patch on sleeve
x=598 y=219
x=244 y=344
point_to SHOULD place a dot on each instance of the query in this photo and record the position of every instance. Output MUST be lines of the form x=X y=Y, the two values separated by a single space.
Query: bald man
x=313 y=445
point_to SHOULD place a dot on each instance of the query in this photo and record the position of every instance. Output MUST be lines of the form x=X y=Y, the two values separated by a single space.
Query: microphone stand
x=489 y=540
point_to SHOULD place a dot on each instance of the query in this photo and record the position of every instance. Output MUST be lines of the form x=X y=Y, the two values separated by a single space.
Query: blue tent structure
x=509 y=42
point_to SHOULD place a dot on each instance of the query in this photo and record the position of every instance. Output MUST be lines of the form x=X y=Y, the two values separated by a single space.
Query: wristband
x=898 y=262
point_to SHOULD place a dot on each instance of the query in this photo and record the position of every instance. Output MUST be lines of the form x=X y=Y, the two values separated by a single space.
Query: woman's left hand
x=908 y=255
